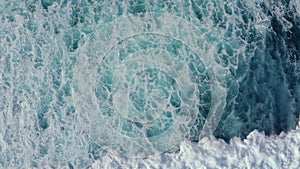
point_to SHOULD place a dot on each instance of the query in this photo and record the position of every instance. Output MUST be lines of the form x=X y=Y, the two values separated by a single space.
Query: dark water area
x=268 y=96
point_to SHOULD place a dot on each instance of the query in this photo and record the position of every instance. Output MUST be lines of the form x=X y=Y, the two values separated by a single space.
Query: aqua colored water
x=83 y=79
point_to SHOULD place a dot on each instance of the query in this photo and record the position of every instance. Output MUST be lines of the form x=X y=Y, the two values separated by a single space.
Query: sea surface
x=149 y=84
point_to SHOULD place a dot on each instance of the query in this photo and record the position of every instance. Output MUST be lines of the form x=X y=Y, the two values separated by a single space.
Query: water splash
x=207 y=69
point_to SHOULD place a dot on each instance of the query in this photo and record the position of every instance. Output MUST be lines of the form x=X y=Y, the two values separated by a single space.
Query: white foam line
x=256 y=151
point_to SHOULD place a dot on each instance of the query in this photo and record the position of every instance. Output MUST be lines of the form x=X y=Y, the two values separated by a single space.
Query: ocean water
x=149 y=84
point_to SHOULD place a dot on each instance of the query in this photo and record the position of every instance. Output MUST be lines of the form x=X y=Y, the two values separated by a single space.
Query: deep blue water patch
x=267 y=99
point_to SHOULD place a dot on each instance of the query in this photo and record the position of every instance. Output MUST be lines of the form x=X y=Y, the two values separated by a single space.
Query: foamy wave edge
x=256 y=151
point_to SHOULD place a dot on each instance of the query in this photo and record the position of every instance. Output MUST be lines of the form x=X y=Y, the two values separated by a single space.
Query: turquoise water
x=82 y=79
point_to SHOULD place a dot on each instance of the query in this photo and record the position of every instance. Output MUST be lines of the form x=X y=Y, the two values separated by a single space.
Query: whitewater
x=149 y=84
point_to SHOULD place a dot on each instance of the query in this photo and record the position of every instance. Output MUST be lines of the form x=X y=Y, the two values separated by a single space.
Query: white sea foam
x=257 y=151
x=36 y=51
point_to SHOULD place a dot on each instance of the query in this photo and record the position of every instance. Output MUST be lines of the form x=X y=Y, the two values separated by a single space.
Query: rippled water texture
x=81 y=79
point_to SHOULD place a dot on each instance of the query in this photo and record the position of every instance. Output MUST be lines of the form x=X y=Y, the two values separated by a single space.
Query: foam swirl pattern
x=148 y=83
x=84 y=81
